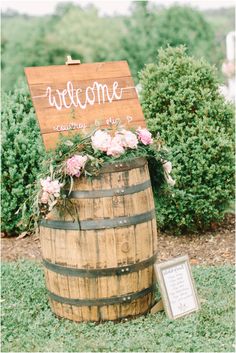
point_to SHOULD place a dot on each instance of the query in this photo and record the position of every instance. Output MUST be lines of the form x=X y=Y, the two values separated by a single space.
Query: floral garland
x=80 y=156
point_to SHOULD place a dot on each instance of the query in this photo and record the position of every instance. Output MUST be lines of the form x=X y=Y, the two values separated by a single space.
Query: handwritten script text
x=69 y=97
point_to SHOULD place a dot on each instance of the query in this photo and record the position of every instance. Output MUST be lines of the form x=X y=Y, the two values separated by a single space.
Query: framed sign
x=177 y=287
x=77 y=97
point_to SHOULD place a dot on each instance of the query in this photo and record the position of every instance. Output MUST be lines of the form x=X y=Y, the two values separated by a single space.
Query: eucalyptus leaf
x=68 y=143
x=51 y=171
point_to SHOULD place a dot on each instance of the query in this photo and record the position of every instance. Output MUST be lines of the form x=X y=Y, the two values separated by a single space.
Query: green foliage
x=92 y=37
x=18 y=51
x=82 y=33
x=151 y=28
x=22 y=151
x=183 y=25
x=181 y=101
x=141 y=38
x=222 y=21
x=30 y=326
x=85 y=34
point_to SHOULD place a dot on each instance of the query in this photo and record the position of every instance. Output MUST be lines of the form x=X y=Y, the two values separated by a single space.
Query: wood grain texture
x=72 y=117
x=103 y=249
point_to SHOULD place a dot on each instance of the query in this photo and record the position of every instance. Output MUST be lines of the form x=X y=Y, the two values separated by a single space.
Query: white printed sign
x=177 y=287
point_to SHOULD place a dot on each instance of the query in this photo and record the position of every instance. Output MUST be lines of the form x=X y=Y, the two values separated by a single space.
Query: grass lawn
x=28 y=325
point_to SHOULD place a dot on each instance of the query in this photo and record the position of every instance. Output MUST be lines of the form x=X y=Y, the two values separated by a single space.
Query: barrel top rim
x=128 y=164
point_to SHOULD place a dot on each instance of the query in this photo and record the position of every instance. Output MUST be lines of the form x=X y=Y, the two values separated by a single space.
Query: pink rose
x=46 y=184
x=45 y=197
x=116 y=149
x=75 y=164
x=101 y=141
x=129 y=139
x=144 y=136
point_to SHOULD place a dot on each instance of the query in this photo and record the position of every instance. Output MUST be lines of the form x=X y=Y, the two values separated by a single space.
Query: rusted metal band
x=123 y=166
x=91 y=194
x=124 y=299
x=99 y=272
x=99 y=223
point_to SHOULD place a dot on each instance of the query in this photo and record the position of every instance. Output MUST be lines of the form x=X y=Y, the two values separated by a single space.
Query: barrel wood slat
x=105 y=272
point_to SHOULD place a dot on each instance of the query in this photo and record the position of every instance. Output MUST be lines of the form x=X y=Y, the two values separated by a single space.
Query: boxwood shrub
x=181 y=101
x=22 y=151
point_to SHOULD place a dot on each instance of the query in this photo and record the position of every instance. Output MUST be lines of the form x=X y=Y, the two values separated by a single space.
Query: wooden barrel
x=101 y=267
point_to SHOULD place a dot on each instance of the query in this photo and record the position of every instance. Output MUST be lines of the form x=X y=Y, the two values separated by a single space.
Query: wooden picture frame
x=177 y=287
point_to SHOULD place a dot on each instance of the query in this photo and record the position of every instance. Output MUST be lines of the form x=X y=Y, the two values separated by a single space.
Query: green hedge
x=22 y=151
x=180 y=100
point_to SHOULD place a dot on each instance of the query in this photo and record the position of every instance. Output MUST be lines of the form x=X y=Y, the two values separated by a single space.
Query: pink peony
x=144 y=136
x=46 y=184
x=116 y=149
x=56 y=188
x=129 y=139
x=119 y=139
x=101 y=141
x=75 y=164
x=50 y=187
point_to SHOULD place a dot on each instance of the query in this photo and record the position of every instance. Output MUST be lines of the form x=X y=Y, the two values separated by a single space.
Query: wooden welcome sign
x=77 y=97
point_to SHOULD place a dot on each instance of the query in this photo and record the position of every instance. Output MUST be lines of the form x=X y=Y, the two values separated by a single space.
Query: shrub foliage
x=83 y=33
x=181 y=102
x=22 y=150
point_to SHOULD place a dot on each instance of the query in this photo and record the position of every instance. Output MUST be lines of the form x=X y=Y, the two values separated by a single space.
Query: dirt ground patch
x=215 y=247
